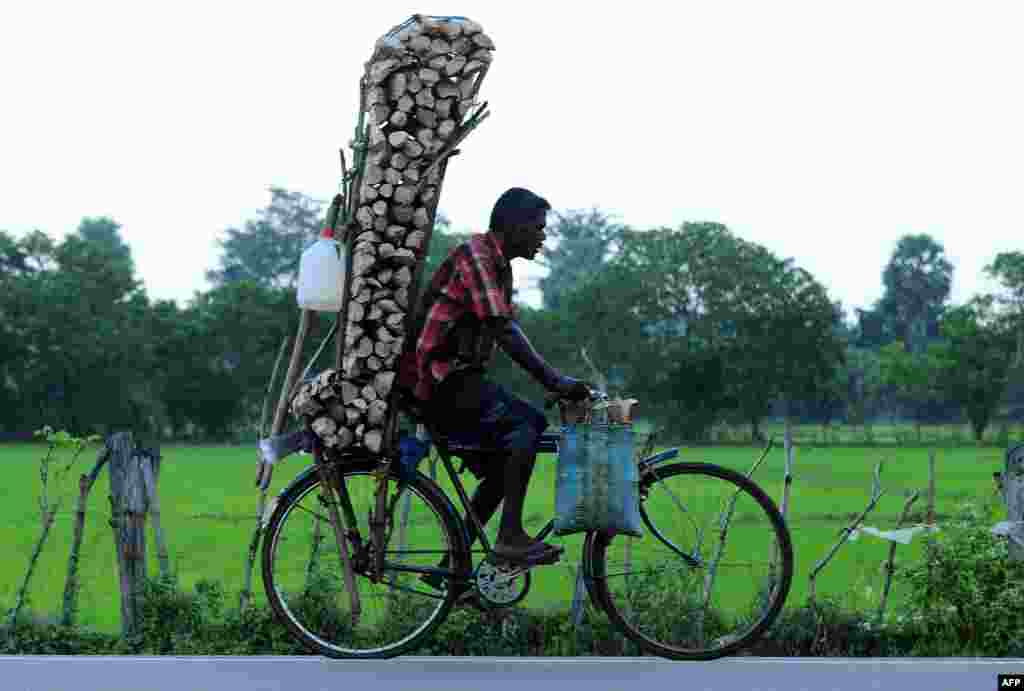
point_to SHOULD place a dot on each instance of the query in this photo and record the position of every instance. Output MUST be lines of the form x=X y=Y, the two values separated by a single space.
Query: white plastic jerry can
x=322 y=274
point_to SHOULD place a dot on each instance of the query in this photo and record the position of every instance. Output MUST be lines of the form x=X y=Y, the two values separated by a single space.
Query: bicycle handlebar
x=551 y=398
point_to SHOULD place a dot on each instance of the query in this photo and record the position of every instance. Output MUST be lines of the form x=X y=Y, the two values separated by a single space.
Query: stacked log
x=420 y=85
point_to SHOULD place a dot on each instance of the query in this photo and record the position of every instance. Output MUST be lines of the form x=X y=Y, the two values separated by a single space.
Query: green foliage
x=914 y=376
x=917 y=283
x=829 y=630
x=64 y=440
x=699 y=324
x=442 y=242
x=977 y=361
x=267 y=250
x=583 y=242
x=1008 y=269
x=78 y=331
x=863 y=368
x=966 y=594
x=743 y=326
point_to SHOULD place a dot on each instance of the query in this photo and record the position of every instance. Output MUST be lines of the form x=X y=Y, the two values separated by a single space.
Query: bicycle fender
x=312 y=470
x=658 y=458
x=296 y=481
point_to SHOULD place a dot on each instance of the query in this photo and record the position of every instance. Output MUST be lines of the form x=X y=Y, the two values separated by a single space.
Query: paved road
x=497 y=674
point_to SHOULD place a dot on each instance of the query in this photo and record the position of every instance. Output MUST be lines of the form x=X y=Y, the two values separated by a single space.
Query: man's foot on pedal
x=534 y=553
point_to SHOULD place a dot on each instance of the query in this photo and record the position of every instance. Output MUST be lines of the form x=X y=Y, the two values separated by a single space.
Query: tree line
x=701 y=325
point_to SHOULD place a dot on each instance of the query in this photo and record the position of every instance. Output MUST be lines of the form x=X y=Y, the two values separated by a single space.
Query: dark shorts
x=503 y=422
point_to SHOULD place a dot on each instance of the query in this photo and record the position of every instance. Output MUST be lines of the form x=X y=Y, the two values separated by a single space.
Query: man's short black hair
x=517 y=206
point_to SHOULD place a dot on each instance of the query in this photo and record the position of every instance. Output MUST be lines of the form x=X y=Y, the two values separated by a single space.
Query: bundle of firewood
x=419 y=93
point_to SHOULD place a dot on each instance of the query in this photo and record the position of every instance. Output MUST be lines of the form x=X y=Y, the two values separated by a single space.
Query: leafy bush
x=967 y=596
x=830 y=631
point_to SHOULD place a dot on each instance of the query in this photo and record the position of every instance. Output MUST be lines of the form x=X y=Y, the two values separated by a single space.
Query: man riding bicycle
x=466 y=313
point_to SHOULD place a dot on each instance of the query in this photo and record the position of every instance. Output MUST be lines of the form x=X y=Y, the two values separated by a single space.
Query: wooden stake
x=151 y=476
x=892 y=555
x=85 y=484
x=876 y=494
x=931 y=487
x=788 y=444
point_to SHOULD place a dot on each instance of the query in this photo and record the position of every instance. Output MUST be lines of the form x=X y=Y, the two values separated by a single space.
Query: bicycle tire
x=596 y=545
x=427 y=490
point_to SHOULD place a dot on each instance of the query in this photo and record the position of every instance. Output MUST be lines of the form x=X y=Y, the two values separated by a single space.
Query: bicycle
x=382 y=552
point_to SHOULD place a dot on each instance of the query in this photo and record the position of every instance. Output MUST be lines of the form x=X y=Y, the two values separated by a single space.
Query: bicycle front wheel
x=304 y=579
x=711 y=573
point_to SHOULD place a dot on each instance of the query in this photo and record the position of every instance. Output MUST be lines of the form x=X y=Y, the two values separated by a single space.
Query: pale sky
x=821 y=130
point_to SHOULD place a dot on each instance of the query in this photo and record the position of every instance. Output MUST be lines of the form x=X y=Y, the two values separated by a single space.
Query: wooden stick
x=449 y=149
x=876 y=494
x=85 y=484
x=599 y=378
x=262 y=503
x=48 y=516
x=340 y=532
x=151 y=475
x=270 y=387
x=931 y=487
x=892 y=555
x=293 y=371
x=709 y=579
x=316 y=356
x=266 y=472
x=788 y=443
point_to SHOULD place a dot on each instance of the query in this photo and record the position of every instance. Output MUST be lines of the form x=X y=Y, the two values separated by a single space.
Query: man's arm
x=513 y=341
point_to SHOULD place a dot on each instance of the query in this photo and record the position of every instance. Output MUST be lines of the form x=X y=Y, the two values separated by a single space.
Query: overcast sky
x=821 y=130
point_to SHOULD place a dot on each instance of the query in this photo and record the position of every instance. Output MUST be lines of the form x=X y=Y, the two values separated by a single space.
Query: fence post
x=128 y=507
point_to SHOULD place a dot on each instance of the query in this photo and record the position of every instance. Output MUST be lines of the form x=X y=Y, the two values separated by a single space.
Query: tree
x=914 y=376
x=864 y=385
x=977 y=360
x=584 y=239
x=267 y=250
x=13 y=260
x=698 y=311
x=77 y=318
x=917 y=283
x=1008 y=269
x=790 y=335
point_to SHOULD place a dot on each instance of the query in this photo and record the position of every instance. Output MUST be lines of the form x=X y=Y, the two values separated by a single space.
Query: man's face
x=530 y=238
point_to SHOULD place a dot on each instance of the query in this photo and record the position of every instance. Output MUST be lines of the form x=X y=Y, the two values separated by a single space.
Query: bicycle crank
x=502 y=585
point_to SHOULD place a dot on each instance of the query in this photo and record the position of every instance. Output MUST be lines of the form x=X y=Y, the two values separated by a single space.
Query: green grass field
x=209 y=501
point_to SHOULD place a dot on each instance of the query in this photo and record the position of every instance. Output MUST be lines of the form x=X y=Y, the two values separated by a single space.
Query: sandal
x=534 y=554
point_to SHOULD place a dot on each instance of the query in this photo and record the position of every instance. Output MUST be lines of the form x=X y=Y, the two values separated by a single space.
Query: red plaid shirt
x=473 y=284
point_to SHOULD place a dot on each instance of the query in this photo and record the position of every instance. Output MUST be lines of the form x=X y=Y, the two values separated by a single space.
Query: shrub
x=967 y=595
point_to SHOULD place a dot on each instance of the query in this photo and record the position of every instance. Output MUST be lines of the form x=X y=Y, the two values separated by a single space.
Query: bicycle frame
x=548 y=444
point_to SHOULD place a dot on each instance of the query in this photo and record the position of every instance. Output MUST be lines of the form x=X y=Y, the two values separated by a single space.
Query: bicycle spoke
x=661 y=591
x=308 y=591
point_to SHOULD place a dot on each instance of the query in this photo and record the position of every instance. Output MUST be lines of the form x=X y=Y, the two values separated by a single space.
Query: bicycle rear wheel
x=711 y=573
x=304 y=580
